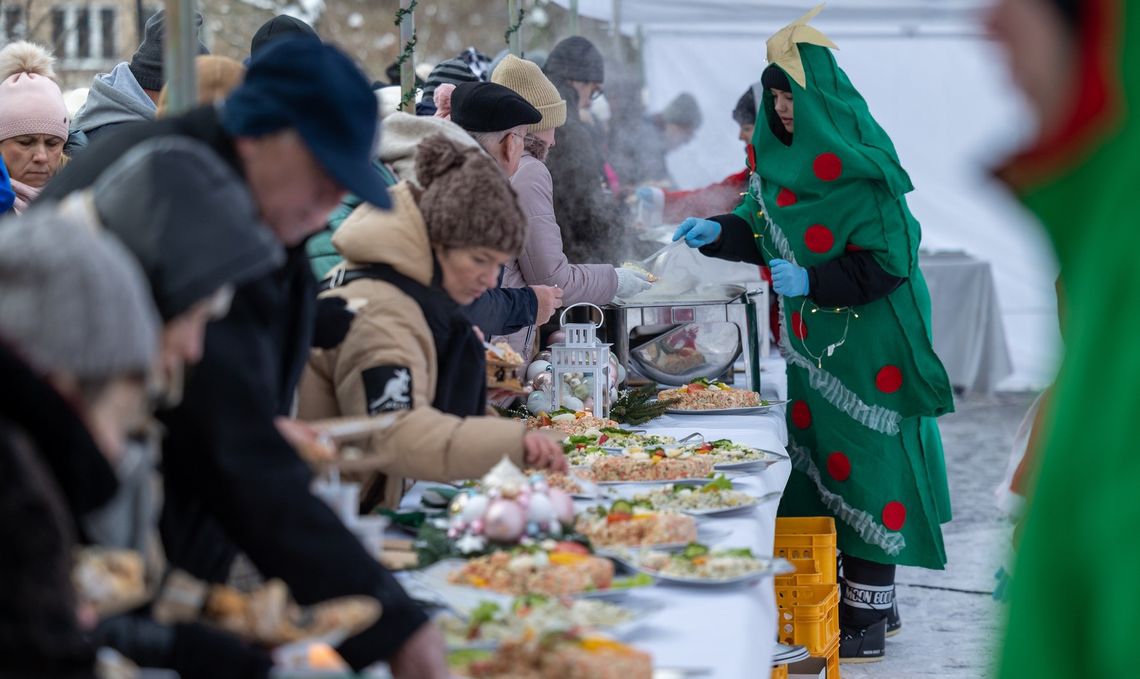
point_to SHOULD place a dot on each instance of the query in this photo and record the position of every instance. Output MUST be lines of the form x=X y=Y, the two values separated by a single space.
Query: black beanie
x=774 y=78
x=278 y=27
x=745 y=111
x=575 y=58
x=146 y=63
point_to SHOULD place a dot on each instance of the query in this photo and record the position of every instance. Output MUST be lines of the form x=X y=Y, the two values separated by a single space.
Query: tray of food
x=699 y=565
x=578 y=487
x=713 y=499
x=493 y=622
x=646 y=468
x=558 y=654
x=624 y=524
x=711 y=397
x=504 y=367
x=569 y=422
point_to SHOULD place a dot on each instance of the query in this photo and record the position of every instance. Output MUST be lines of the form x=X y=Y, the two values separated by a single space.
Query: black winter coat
x=232 y=482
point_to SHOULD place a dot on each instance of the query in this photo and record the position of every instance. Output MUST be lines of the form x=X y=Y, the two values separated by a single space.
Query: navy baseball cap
x=316 y=89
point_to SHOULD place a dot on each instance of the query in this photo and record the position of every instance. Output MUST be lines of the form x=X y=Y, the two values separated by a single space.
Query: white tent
x=934 y=82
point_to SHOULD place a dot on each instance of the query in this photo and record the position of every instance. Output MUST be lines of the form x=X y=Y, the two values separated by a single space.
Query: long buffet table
x=728 y=632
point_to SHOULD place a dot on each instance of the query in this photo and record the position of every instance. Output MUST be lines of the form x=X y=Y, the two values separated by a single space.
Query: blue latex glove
x=697 y=232
x=644 y=194
x=789 y=280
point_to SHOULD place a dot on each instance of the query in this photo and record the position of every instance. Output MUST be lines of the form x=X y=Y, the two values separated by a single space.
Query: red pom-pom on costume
x=894 y=515
x=827 y=167
x=889 y=379
x=799 y=328
x=801 y=414
x=839 y=466
x=819 y=239
x=785 y=198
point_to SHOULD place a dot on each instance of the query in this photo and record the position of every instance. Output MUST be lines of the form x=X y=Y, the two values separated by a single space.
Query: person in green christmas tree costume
x=826 y=210
x=1075 y=594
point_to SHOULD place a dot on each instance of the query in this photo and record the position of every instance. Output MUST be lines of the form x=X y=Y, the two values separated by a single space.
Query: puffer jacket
x=390 y=335
x=542 y=261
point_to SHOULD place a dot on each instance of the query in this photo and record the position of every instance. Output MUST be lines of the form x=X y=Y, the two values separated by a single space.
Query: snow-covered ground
x=951 y=625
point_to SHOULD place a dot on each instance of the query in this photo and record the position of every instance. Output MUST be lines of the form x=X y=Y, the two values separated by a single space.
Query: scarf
x=25 y=195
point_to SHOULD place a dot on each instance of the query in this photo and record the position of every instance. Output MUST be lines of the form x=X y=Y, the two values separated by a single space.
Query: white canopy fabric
x=935 y=84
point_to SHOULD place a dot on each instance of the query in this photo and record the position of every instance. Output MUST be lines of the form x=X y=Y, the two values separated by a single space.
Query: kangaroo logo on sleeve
x=387 y=388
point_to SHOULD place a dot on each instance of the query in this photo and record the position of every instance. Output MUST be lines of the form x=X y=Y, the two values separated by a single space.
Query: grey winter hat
x=146 y=62
x=188 y=218
x=72 y=299
x=683 y=111
x=575 y=58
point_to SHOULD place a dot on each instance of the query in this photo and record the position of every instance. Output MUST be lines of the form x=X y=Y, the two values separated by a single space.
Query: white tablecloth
x=966 y=320
x=730 y=632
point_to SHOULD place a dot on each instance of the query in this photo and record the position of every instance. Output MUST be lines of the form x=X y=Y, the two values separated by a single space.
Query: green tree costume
x=863 y=382
x=1075 y=600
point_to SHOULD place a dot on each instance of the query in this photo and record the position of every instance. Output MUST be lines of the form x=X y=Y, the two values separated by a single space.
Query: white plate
x=639 y=609
x=750 y=410
x=729 y=511
x=695 y=482
x=706 y=535
x=772 y=567
x=463 y=598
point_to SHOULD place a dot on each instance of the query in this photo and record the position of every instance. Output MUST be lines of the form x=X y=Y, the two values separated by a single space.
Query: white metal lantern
x=581 y=366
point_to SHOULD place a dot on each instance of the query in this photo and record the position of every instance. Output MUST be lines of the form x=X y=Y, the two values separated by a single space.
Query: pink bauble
x=504 y=521
x=557 y=337
x=477 y=527
x=563 y=504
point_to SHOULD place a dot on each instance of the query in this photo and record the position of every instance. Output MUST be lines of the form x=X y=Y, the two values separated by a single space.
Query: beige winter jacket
x=390 y=337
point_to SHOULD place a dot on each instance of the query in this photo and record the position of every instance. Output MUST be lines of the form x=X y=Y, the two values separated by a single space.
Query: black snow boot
x=861 y=645
x=868 y=600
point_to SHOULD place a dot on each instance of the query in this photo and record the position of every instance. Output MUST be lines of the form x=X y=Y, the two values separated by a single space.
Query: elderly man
x=300 y=132
x=497 y=118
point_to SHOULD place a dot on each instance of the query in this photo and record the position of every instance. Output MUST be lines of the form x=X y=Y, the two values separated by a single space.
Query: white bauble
x=541 y=510
x=474 y=509
x=536 y=368
x=538 y=402
x=505 y=521
x=572 y=402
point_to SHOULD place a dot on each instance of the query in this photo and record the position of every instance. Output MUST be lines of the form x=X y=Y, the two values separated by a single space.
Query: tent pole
x=178 y=57
x=574 y=30
x=617 y=29
x=514 y=28
x=406 y=20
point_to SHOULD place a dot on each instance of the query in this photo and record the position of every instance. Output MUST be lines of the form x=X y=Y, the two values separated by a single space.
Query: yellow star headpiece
x=782 y=49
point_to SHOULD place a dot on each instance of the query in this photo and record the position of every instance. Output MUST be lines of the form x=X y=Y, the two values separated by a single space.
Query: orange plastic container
x=808 y=615
x=780 y=672
x=833 y=660
x=808 y=538
x=806 y=574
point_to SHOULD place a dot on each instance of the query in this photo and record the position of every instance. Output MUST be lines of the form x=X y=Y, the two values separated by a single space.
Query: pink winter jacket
x=542 y=261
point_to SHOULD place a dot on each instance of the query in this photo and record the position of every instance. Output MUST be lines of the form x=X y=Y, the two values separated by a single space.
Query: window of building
x=13 y=23
x=85 y=36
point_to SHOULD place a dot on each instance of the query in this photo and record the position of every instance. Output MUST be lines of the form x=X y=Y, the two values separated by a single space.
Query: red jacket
x=714 y=199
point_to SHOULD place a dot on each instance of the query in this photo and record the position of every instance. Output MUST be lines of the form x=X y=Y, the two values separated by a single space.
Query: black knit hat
x=575 y=58
x=774 y=78
x=146 y=62
x=490 y=107
x=745 y=111
x=454 y=71
x=279 y=27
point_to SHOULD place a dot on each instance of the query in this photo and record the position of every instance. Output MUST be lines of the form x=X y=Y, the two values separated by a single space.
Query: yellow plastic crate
x=806 y=574
x=808 y=615
x=808 y=538
x=780 y=672
x=832 y=656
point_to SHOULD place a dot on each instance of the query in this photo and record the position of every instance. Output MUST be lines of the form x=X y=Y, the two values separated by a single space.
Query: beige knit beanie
x=527 y=79
x=467 y=202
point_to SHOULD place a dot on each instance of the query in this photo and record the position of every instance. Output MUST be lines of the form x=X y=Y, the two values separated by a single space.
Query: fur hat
x=526 y=78
x=217 y=77
x=467 y=202
x=30 y=100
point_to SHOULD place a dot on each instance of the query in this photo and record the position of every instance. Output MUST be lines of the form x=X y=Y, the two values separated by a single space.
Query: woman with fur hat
x=542 y=260
x=33 y=120
x=411 y=350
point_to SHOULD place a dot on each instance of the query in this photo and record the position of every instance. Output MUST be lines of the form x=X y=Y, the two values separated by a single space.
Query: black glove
x=333 y=319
